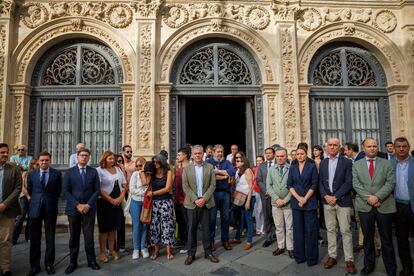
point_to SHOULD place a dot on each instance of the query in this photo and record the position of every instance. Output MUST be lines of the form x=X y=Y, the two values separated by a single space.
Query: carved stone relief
x=18 y=118
x=272 y=119
x=128 y=119
x=147 y=8
x=163 y=121
x=99 y=33
x=401 y=105
x=190 y=35
x=144 y=117
x=384 y=48
x=117 y=15
x=2 y=64
x=176 y=15
x=6 y=7
x=310 y=19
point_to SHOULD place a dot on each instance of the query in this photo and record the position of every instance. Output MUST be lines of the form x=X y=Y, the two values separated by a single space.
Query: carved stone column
x=399 y=111
x=409 y=97
x=145 y=94
x=163 y=128
x=273 y=133
x=286 y=38
x=6 y=31
x=129 y=134
x=20 y=100
x=305 y=130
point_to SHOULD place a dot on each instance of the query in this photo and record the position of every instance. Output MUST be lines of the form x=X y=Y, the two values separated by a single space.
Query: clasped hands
x=374 y=201
x=83 y=208
x=116 y=201
x=302 y=201
x=331 y=200
x=200 y=202
x=280 y=202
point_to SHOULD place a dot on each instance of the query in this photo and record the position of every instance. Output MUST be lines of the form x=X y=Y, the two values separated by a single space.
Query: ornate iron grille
x=215 y=65
x=79 y=65
x=344 y=67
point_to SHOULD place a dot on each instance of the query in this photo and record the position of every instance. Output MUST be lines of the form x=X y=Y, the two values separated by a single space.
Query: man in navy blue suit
x=81 y=188
x=44 y=186
x=335 y=186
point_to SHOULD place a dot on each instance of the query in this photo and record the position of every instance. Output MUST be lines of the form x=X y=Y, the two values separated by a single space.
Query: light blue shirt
x=1 y=183
x=46 y=176
x=23 y=161
x=401 y=187
x=199 y=179
x=333 y=162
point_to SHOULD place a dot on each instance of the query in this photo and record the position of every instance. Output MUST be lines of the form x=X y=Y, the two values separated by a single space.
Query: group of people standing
x=283 y=194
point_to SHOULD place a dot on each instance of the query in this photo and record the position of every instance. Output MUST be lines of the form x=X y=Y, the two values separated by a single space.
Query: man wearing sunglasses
x=21 y=159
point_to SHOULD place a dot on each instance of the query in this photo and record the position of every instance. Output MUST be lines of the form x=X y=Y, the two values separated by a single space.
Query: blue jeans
x=222 y=200
x=139 y=230
x=248 y=215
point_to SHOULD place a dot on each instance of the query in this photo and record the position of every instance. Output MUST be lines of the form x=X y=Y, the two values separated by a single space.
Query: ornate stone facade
x=148 y=36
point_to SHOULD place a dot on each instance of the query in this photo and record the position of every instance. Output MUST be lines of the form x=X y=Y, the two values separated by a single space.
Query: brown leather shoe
x=213 y=247
x=212 y=258
x=290 y=253
x=227 y=246
x=350 y=267
x=278 y=251
x=247 y=246
x=330 y=263
x=189 y=260
x=358 y=248
x=235 y=241
x=377 y=252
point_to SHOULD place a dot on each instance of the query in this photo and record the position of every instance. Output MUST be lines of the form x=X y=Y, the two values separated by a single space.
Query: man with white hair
x=73 y=159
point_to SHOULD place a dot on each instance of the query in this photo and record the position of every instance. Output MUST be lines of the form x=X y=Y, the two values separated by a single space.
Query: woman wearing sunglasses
x=244 y=185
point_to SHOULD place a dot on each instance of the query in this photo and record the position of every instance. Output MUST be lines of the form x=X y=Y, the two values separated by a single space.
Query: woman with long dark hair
x=162 y=220
x=317 y=155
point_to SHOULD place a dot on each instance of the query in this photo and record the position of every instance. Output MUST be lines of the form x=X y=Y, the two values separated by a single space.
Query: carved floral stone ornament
x=386 y=21
x=257 y=17
x=119 y=15
x=310 y=19
x=175 y=16
x=6 y=7
x=34 y=15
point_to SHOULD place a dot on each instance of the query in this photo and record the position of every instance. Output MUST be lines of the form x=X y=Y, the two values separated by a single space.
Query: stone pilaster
x=6 y=31
x=128 y=133
x=289 y=88
x=305 y=130
x=399 y=105
x=20 y=103
x=163 y=117
x=272 y=118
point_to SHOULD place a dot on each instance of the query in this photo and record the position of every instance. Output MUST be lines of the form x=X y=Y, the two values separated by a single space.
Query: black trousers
x=182 y=222
x=384 y=223
x=36 y=237
x=404 y=221
x=198 y=216
x=269 y=225
x=120 y=233
x=18 y=225
x=76 y=224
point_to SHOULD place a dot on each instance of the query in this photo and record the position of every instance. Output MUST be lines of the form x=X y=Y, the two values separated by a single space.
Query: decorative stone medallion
x=386 y=21
x=175 y=16
x=310 y=19
x=34 y=15
x=257 y=17
x=119 y=15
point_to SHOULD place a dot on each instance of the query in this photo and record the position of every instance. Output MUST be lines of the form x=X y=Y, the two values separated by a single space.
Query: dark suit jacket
x=262 y=176
x=342 y=182
x=360 y=155
x=48 y=197
x=302 y=183
x=76 y=192
x=12 y=187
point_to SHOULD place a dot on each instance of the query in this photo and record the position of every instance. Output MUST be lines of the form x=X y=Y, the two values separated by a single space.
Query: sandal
x=154 y=256
x=103 y=258
x=115 y=255
x=170 y=257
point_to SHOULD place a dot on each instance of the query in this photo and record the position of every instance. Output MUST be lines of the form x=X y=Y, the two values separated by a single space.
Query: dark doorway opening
x=216 y=120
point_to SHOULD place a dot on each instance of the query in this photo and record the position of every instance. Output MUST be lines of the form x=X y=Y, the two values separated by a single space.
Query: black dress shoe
x=71 y=267
x=267 y=243
x=50 y=269
x=405 y=272
x=367 y=270
x=290 y=253
x=278 y=251
x=189 y=260
x=33 y=271
x=94 y=265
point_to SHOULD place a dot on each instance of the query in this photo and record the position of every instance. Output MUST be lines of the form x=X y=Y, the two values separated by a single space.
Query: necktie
x=269 y=164
x=281 y=170
x=83 y=176
x=371 y=167
x=43 y=180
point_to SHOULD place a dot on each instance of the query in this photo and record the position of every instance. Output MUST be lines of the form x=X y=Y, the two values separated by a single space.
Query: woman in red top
x=258 y=211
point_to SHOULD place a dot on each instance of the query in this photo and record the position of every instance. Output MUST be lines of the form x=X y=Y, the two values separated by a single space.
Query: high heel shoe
x=103 y=258
x=115 y=255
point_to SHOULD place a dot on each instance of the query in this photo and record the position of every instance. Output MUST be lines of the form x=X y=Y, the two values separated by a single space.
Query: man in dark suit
x=81 y=187
x=390 y=153
x=374 y=182
x=10 y=188
x=269 y=225
x=44 y=186
x=199 y=183
x=404 y=198
x=335 y=186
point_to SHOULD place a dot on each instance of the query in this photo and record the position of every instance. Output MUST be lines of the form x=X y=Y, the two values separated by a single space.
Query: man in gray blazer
x=374 y=182
x=199 y=183
x=10 y=188
x=269 y=225
x=404 y=196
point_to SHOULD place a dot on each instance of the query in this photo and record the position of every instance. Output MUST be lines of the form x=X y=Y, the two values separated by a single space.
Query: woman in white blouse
x=137 y=188
x=109 y=205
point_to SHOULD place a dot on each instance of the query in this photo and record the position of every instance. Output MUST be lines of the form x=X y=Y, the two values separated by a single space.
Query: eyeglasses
x=120 y=161
x=20 y=149
x=239 y=161
x=128 y=151
x=83 y=155
x=138 y=166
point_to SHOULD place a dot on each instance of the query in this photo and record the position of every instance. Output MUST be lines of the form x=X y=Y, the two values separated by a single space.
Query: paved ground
x=256 y=261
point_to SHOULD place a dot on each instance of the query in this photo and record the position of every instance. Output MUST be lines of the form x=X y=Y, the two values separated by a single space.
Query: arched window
x=76 y=98
x=348 y=96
